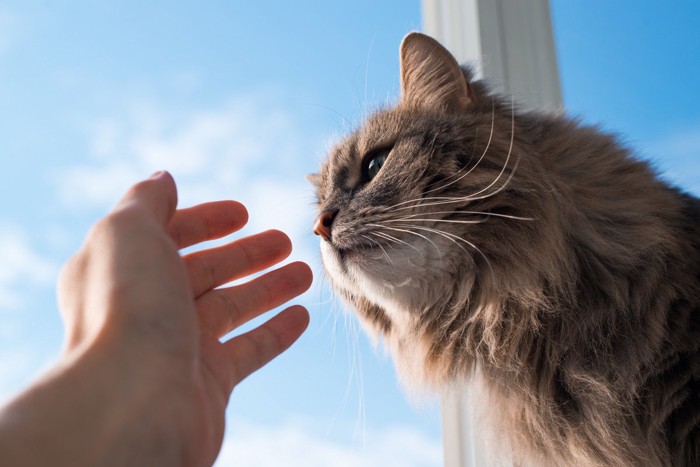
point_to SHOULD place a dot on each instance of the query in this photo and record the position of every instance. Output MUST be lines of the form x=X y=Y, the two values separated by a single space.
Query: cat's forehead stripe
x=345 y=173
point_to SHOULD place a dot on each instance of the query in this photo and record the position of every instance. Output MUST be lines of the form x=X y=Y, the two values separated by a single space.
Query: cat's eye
x=373 y=162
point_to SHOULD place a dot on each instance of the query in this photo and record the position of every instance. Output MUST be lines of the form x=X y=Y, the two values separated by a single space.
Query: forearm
x=70 y=417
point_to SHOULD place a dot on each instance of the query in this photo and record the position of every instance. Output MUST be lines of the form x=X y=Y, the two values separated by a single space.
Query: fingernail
x=156 y=175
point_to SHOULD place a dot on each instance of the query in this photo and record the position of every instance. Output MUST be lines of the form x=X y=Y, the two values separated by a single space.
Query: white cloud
x=211 y=151
x=292 y=445
x=10 y=26
x=283 y=205
x=21 y=266
x=184 y=82
x=245 y=149
x=5 y=37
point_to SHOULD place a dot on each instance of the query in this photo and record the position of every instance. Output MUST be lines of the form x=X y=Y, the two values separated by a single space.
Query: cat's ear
x=430 y=75
x=314 y=179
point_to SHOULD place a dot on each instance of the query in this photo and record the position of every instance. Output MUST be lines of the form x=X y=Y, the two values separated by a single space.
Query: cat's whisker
x=505 y=164
x=479 y=213
x=346 y=393
x=455 y=238
x=429 y=201
x=355 y=363
x=345 y=119
x=421 y=236
x=365 y=238
x=359 y=375
x=451 y=221
x=502 y=187
x=369 y=53
x=415 y=200
x=409 y=232
x=320 y=301
x=473 y=196
x=332 y=301
x=488 y=144
x=388 y=237
x=392 y=239
x=388 y=258
x=460 y=177
x=442 y=234
x=397 y=239
x=439 y=201
x=336 y=314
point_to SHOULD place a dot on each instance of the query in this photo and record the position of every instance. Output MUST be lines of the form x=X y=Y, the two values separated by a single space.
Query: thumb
x=157 y=195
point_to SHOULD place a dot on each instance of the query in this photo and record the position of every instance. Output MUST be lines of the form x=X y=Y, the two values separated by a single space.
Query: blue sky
x=240 y=100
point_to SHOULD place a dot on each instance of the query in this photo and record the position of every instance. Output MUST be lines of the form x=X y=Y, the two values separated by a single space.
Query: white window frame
x=511 y=44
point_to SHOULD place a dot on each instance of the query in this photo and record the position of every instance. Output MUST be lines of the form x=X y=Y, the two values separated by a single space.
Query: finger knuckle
x=106 y=226
x=232 y=313
x=72 y=268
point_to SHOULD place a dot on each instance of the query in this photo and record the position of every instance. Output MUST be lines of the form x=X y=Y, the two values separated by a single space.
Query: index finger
x=157 y=195
x=206 y=221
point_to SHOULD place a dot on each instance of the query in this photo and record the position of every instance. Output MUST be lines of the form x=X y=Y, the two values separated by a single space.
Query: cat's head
x=424 y=210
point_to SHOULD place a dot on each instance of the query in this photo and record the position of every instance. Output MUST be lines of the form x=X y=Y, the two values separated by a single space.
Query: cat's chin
x=401 y=298
x=382 y=278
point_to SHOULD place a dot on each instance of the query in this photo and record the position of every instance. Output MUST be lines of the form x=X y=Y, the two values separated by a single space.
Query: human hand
x=143 y=369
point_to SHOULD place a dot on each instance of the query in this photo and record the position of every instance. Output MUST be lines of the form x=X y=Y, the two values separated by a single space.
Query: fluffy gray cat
x=527 y=254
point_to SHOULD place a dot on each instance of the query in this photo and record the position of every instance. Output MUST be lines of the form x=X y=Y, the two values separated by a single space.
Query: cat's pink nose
x=324 y=223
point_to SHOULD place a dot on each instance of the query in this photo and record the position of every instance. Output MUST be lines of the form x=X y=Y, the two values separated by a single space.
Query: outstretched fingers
x=214 y=267
x=222 y=310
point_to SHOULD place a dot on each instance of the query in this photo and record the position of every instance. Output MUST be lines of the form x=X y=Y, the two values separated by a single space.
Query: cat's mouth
x=362 y=250
x=344 y=258
x=362 y=255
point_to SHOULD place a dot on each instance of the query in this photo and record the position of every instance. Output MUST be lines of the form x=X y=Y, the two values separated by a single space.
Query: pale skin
x=143 y=378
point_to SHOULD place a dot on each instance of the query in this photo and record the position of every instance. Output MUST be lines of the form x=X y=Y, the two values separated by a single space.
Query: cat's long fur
x=532 y=248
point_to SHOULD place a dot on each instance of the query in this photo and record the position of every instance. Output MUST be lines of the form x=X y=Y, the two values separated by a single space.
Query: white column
x=510 y=43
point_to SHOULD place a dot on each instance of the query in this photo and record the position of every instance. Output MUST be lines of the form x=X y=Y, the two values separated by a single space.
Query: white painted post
x=510 y=43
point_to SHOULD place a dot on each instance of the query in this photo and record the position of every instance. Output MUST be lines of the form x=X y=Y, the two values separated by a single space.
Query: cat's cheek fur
x=397 y=299
x=377 y=288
